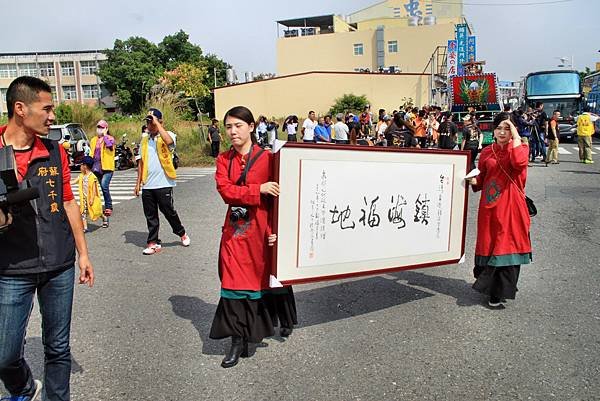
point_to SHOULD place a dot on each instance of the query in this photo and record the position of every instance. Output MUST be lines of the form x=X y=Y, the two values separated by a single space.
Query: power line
x=530 y=3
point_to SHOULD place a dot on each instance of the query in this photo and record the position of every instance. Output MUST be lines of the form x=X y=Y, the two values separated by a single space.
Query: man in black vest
x=37 y=246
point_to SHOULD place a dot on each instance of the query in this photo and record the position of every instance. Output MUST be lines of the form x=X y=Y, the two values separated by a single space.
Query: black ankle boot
x=239 y=348
x=285 y=331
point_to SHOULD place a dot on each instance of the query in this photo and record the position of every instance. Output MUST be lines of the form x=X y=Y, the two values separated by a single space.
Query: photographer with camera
x=243 y=180
x=156 y=178
x=38 y=240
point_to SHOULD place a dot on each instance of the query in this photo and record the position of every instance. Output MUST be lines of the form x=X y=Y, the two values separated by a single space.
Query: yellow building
x=377 y=38
x=71 y=75
x=396 y=38
x=317 y=91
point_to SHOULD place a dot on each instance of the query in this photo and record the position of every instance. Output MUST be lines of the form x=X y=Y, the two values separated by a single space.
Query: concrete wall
x=297 y=94
x=326 y=52
x=415 y=44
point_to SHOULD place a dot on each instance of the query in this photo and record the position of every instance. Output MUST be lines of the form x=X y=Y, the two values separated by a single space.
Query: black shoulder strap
x=242 y=179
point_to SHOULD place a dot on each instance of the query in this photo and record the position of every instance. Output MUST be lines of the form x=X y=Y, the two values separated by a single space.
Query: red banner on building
x=474 y=90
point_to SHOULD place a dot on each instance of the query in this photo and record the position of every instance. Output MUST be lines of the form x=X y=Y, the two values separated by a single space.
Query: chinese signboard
x=328 y=228
x=412 y=8
x=452 y=61
x=461 y=41
x=471 y=49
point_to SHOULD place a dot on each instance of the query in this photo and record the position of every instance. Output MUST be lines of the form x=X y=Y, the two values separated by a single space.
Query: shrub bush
x=349 y=102
x=64 y=113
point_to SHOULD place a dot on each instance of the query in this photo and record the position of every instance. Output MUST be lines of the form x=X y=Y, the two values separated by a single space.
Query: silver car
x=76 y=137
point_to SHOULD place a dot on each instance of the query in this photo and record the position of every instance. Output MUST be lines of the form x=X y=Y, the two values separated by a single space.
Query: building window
x=54 y=95
x=88 y=67
x=393 y=46
x=3 y=94
x=46 y=69
x=90 y=91
x=8 y=71
x=69 y=93
x=67 y=68
x=358 y=49
x=29 y=69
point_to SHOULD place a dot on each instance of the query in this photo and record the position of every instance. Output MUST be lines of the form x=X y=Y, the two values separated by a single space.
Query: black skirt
x=497 y=282
x=246 y=318
x=282 y=306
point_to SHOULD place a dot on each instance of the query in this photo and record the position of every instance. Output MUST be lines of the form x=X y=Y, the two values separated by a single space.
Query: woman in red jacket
x=244 y=181
x=503 y=222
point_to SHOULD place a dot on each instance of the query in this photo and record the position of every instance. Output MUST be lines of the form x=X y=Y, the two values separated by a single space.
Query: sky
x=512 y=39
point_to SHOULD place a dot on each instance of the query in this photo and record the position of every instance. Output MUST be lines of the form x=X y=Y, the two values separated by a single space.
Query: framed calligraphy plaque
x=347 y=211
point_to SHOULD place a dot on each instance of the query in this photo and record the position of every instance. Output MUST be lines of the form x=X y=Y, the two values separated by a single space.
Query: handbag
x=528 y=201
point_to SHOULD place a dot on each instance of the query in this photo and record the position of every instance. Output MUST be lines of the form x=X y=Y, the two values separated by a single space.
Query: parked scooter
x=136 y=152
x=123 y=155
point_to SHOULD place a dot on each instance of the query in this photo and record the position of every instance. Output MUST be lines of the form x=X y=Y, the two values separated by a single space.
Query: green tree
x=585 y=72
x=176 y=49
x=215 y=67
x=349 y=102
x=132 y=67
x=64 y=113
x=188 y=80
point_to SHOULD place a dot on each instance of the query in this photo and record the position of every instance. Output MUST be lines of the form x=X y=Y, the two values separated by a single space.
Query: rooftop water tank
x=413 y=21
x=230 y=76
x=429 y=20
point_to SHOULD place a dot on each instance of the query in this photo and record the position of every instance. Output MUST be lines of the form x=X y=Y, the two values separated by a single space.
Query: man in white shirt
x=340 y=130
x=384 y=124
x=308 y=128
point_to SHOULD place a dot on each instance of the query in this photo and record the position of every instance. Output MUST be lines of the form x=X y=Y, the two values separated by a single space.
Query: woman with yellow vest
x=103 y=151
x=156 y=178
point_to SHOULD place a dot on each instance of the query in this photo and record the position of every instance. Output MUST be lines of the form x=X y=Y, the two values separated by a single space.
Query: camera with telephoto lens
x=238 y=213
x=11 y=194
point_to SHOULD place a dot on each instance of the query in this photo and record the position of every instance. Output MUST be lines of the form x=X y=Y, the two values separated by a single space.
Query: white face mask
x=100 y=131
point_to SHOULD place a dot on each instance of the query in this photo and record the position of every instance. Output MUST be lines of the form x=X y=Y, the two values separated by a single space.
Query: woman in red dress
x=244 y=181
x=503 y=222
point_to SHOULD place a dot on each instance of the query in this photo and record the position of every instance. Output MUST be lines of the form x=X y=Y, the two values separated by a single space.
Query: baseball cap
x=88 y=161
x=102 y=124
x=155 y=112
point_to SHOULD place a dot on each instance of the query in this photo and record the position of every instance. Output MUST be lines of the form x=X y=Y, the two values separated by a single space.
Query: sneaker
x=185 y=240
x=33 y=397
x=588 y=161
x=152 y=249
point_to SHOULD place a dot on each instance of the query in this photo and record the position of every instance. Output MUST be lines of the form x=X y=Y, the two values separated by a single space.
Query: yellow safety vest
x=164 y=156
x=585 y=127
x=95 y=207
x=107 y=156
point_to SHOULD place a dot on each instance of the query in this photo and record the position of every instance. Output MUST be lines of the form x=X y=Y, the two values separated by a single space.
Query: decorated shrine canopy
x=474 y=90
x=350 y=210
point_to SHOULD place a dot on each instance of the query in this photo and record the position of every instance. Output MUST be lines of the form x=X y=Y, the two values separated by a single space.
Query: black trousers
x=160 y=199
x=215 y=146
